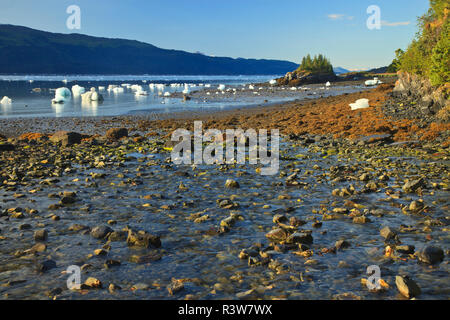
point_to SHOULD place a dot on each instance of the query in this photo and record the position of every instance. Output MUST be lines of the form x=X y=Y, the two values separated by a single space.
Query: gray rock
x=413 y=185
x=140 y=286
x=416 y=206
x=387 y=233
x=342 y=244
x=279 y=218
x=118 y=236
x=143 y=239
x=406 y=249
x=431 y=255
x=46 y=265
x=232 y=184
x=66 y=138
x=298 y=237
x=115 y=134
x=407 y=287
x=41 y=235
x=277 y=235
x=101 y=232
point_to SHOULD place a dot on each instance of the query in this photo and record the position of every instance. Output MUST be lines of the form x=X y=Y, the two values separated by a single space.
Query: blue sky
x=269 y=29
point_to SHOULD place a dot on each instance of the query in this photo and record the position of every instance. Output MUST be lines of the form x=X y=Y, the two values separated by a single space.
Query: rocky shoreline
x=355 y=189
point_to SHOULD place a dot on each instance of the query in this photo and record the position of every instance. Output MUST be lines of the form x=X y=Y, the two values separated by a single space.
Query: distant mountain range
x=339 y=70
x=28 y=51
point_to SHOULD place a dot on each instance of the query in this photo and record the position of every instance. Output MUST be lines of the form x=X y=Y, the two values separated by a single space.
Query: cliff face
x=429 y=100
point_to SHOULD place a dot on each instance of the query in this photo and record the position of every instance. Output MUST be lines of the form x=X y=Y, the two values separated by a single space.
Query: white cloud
x=339 y=16
x=336 y=16
x=394 y=24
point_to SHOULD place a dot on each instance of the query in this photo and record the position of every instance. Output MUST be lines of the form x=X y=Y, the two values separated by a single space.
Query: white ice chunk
x=62 y=95
x=360 y=104
x=373 y=82
x=77 y=90
x=221 y=87
x=6 y=100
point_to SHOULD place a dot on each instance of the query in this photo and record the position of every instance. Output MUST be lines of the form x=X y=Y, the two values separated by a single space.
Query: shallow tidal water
x=141 y=190
x=27 y=103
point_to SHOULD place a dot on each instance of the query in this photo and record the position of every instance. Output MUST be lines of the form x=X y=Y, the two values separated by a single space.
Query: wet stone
x=117 y=236
x=405 y=249
x=143 y=239
x=41 y=235
x=66 y=138
x=93 y=283
x=232 y=184
x=111 y=263
x=279 y=218
x=175 y=287
x=100 y=232
x=416 y=206
x=78 y=227
x=147 y=258
x=431 y=255
x=277 y=235
x=412 y=185
x=361 y=220
x=46 y=265
x=407 y=287
x=342 y=244
x=387 y=233
x=304 y=238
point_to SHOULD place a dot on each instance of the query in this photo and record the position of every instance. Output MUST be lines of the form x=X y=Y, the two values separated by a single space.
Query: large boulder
x=115 y=134
x=66 y=138
x=143 y=239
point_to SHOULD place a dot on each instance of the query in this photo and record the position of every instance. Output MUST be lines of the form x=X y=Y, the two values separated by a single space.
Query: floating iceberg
x=373 y=82
x=6 y=100
x=221 y=87
x=167 y=94
x=111 y=87
x=250 y=87
x=62 y=95
x=328 y=84
x=140 y=93
x=360 y=104
x=118 y=90
x=273 y=82
x=91 y=96
x=136 y=87
x=77 y=90
x=160 y=87
x=95 y=96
